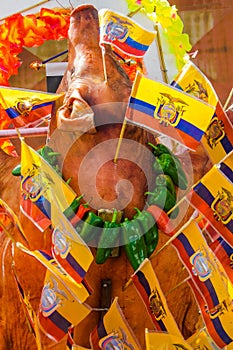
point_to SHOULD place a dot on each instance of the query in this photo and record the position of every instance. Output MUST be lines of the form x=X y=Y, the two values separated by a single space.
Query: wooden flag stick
x=178 y=285
x=228 y=99
x=9 y=235
x=104 y=64
x=161 y=57
x=120 y=140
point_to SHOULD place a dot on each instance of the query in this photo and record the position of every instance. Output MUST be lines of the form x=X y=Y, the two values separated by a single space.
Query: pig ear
x=76 y=114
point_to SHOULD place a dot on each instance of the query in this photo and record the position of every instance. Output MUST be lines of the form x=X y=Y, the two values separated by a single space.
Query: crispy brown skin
x=87 y=92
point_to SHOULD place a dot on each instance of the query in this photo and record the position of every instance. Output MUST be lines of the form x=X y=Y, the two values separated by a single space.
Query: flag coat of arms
x=163 y=341
x=114 y=331
x=165 y=110
x=68 y=248
x=124 y=33
x=26 y=107
x=217 y=140
x=213 y=197
x=59 y=308
x=219 y=323
x=39 y=183
x=202 y=265
x=147 y=286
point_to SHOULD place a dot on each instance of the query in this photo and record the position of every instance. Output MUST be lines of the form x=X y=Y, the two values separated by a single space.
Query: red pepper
x=82 y=210
x=162 y=220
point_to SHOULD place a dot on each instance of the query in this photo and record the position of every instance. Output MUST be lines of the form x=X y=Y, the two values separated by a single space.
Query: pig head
x=87 y=127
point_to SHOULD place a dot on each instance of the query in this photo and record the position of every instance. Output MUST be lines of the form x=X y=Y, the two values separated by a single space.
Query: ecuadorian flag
x=59 y=309
x=26 y=107
x=148 y=287
x=165 y=110
x=113 y=332
x=212 y=196
x=123 y=33
x=217 y=140
x=218 y=324
x=68 y=248
x=204 y=269
x=39 y=183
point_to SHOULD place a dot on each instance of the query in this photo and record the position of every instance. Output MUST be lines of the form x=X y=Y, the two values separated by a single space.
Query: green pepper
x=163 y=198
x=108 y=238
x=159 y=149
x=17 y=170
x=89 y=230
x=72 y=209
x=165 y=180
x=150 y=230
x=134 y=244
x=165 y=164
x=49 y=155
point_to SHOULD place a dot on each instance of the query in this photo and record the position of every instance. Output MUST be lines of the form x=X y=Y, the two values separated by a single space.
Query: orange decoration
x=30 y=31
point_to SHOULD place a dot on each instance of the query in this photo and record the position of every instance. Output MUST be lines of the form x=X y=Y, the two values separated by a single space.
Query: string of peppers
x=139 y=236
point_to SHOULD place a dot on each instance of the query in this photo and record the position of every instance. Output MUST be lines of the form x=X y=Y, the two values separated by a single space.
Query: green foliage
x=160 y=11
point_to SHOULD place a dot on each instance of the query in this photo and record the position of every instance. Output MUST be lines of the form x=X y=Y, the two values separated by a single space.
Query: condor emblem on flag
x=165 y=110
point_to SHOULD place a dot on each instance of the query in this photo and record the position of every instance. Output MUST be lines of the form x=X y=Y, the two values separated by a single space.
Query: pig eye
x=72 y=71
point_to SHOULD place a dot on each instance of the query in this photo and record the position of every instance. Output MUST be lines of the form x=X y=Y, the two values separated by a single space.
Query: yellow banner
x=165 y=341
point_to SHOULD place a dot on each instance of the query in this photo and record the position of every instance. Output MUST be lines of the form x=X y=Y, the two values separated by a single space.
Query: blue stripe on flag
x=135 y=44
x=60 y=321
x=190 y=129
x=42 y=105
x=220 y=331
x=204 y=193
x=46 y=255
x=226 y=144
x=212 y=292
x=162 y=325
x=142 y=106
x=12 y=113
x=142 y=279
x=70 y=259
x=188 y=248
x=227 y=171
x=44 y=205
x=228 y=249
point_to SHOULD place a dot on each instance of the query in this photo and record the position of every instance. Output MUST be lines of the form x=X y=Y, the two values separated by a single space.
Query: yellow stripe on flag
x=164 y=341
